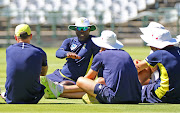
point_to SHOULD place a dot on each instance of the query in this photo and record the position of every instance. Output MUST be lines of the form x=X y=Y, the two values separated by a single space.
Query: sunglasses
x=82 y=28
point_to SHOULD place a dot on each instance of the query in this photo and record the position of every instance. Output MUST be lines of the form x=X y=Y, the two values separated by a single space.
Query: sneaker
x=88 y=99
x=48 y=94
x=3 y=95
x=55 y=87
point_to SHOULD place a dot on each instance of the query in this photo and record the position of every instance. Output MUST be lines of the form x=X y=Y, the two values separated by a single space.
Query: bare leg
x=70 y=87
x=77 y=95
x=87 y=85
x=71 y=90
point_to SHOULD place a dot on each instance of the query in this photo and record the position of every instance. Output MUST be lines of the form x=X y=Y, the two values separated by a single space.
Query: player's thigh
x=86 y=84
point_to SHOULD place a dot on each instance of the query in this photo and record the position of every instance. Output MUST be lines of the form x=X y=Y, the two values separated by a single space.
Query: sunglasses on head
x=82 y=28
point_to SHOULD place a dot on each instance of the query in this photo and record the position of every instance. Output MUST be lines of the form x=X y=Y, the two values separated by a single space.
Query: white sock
x=60 y=88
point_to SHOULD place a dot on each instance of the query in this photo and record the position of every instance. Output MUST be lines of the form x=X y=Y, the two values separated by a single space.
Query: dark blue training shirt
x=75 y=68
x=24 y=62
x=168 y=61
x=120 y=75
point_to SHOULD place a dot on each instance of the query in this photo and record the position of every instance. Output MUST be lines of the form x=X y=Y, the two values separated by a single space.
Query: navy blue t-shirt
x=120 y=74
x=168 y=61
x=75 y=68
x=24 y=62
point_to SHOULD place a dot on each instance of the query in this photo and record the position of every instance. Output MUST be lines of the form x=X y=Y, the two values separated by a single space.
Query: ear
x=31 y=36
x=15 y=37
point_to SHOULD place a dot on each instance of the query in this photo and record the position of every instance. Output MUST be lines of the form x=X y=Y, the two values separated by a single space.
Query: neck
x=24 y=41
x=102 y=49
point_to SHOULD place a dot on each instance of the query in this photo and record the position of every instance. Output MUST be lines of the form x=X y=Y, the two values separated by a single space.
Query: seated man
x=78 y=52
x=25 y=64
x=120 y=82
x=152 y=70
x=167 y=57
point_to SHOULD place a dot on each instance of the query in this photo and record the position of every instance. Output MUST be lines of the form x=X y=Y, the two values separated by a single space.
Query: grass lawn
x=63 y=105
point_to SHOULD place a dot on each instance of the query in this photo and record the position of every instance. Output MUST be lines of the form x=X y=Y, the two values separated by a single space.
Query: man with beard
x=79 y=52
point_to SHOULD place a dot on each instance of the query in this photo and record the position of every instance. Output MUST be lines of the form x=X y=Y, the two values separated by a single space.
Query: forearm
x=91 y=74
x=44 y=70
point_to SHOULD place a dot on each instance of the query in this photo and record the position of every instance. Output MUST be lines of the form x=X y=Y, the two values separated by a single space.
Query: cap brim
x=73 y=27
x=158 y=44
x=99 y=42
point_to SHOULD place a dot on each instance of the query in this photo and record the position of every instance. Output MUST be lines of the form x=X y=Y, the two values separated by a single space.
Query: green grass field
x=63 y=105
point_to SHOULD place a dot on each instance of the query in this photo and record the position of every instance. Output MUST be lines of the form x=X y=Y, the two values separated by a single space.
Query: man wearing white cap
x=167 y=57
x=25 y=64
x=120 y=82
x=78 y=52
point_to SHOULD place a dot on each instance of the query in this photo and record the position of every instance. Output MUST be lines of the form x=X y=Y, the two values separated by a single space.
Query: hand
x=136 y=61
x=73 y=55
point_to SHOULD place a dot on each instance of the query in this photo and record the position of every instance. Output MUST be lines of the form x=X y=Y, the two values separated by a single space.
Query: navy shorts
x=106 y=96
x=57 y=77
x=103 y=94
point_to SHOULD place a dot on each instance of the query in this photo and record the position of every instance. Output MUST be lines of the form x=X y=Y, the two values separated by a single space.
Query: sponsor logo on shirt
x=73 y=46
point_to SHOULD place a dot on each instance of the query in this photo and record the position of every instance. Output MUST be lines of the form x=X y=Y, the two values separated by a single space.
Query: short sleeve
x=97 y=62
x=154 y=58
x=44 y=58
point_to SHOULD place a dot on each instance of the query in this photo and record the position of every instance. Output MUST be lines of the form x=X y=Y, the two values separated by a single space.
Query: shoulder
x=69 y=40
x=10 y=47
x=38 y=49
x=155 y=55
x=99 y=55
x=157 y=52
x=118 y=51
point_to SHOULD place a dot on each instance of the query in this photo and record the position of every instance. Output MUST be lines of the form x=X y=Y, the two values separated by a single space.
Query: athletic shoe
x=3 y=95
x=48 y=93
x=55 y=87
x=88 y=99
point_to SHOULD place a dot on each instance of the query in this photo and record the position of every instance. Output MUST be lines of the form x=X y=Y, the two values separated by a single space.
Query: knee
x=79 y=81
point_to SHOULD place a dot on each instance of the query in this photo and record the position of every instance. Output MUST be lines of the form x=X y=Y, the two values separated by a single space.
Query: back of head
x=22 y=31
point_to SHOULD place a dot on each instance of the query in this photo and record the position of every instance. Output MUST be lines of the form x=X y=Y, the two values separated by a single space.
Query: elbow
x=60 y=55
x=57 y=54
